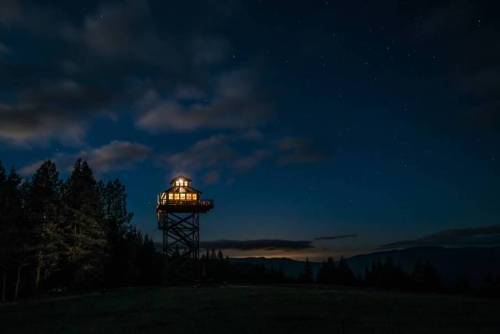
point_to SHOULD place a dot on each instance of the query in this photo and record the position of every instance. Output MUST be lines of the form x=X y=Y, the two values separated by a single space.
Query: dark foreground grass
x=253 y=310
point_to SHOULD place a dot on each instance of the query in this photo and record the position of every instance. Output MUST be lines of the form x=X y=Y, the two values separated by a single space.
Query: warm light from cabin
x=180 y=182
x=181 y=196
x=181 y=191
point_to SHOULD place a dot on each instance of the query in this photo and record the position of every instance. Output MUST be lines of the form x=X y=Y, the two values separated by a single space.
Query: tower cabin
x=182 y=197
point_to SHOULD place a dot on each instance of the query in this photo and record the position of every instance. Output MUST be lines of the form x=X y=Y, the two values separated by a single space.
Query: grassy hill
x=240 y=309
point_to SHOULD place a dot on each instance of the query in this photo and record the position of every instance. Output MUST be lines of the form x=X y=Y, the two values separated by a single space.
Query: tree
x=122 y=238
x=45 y=220
x=85 y=227
x=5 y=233
x=386 y=274
x=425 y=278
x=15 y=248
x=114 y=203
x=307 y=274
x=73 y=234
x=343 y=274
x=326 y=273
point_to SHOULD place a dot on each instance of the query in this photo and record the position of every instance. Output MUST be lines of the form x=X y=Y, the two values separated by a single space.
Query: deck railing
x=202 y=202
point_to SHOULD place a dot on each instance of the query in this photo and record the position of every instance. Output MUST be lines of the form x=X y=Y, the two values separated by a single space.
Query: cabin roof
x=180 y=177
x=189 y=189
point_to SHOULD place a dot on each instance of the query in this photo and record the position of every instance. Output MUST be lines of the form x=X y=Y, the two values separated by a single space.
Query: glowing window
x=189 y=197
x=183 y=197
x=176 y=197
x=194 y=197
x=185 y=183
x=170 y=196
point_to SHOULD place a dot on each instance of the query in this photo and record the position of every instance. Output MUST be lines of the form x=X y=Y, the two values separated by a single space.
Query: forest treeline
x=76 y=234
x=387 y=274
x=71 y=234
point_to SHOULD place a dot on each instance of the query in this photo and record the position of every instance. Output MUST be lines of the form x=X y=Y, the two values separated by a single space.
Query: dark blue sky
x=301 y=119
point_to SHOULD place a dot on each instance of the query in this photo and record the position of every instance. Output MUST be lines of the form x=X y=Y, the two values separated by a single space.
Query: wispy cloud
x=300 y=150
x=54 y=109
x=117 y=155
x=259 y=244
x=241 y=153
x=474 y=236
x=334 y=237
x=235 y=104
x=175 y=83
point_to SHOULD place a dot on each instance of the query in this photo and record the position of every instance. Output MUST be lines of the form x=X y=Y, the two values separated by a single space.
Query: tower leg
x=181 y=245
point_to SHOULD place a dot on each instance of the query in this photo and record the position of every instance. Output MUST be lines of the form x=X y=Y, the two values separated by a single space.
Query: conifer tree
x=307 y=274
x=45 y=219
x=86 y=237
x=15 y=245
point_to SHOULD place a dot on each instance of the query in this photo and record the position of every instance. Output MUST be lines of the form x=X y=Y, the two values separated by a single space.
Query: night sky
x=324 y=127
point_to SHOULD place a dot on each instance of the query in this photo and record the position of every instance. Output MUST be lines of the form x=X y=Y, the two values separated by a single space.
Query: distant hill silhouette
x=452 y=264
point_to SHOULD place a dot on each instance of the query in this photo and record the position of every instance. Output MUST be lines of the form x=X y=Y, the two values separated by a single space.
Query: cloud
x=475 y=236
x=470 y=63
x=4 y=49
x=10 y=11
x=124 y=44
x=53 y=109
x=211 y=177
x=240 y=153
x=205 y=154
x=252 y=160
x=209 y=50
x=259 y=244
x=125 y=31
x=300 y=150
x=334 y=237
x=450 y=17
x=117 y=155
x=235 y=104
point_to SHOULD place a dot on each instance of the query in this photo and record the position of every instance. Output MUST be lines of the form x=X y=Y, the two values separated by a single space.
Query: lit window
x=182 y=190
x=185 y=183
x=183 y=197
x=194 y=197
x=189 y=197
x=170 y=196
x=176 y=197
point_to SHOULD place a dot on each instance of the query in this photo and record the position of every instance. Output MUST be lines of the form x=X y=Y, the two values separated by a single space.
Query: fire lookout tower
x=178 y=212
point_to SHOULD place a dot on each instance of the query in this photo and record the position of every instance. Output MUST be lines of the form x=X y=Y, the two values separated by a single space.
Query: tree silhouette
x=425 y=278
x=307 y=274
x=44 y=215
x=386 y=274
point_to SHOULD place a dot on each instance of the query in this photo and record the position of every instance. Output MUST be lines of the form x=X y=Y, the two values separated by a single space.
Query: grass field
x=252 y=309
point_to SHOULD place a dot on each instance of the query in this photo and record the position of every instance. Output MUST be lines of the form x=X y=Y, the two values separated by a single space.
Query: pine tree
x=307 y=274
x=86 y=229
x=425 y=278
x=326 y=274
x=122 y=238
x=114 y=203
x=5 y=235
x=15 y=246
x=344 y=275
